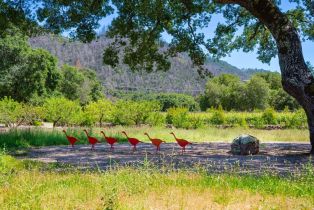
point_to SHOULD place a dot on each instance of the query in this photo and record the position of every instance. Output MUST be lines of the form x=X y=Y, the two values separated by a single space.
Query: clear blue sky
x=239 y=58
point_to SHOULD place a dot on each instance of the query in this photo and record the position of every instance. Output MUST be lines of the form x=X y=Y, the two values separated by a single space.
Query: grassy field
x=29 y=185
x=40 y=137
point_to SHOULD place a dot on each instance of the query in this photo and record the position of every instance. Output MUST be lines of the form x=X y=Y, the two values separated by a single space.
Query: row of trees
x=261 y=91
x=64 y=112
x=31 y=75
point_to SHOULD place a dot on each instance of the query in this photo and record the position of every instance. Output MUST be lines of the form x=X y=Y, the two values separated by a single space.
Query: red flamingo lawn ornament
x=92 y=140
x=132 y=141
x=182 y=142
x=109 y=140
x=71 y=139
x=156 y=142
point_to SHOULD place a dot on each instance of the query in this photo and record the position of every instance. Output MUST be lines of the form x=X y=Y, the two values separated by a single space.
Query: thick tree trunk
x=297 y=79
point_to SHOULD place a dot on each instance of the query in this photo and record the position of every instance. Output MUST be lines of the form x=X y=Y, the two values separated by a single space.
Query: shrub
x=299 y=119
x=156 y=119
x=178 y=117
x=235 y=120
x=269 y=117
x=195 y=122
x=218 y=117
x=255 y=121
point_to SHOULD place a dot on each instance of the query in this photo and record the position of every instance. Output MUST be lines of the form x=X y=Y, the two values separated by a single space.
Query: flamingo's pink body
x=132 y=141
x=91 y=140
x=72 y=140
x=110 y=140
x=156 y=142
x=181 y=142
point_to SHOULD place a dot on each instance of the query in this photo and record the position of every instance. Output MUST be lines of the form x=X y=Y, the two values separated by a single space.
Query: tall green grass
x=26 y=186
x=23 y=138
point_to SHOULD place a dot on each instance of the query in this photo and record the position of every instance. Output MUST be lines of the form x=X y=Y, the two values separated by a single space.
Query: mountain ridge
x=181 y=77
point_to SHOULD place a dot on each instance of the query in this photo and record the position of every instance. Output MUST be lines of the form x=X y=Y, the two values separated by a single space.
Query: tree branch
x=257 y=26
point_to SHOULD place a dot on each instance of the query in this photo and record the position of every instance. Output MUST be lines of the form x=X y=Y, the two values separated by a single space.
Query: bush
x=269 y=117
x=195 y=122
x=234 y=120
x=218 y=117
x=255 y=121
x=299 y=119
x=156 y=119
x=178 y=117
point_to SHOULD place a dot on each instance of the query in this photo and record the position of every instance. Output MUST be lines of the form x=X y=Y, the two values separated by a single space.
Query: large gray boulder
x=245 y=145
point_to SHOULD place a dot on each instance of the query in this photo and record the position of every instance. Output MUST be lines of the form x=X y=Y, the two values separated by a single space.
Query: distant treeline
x=263 y=90
x=34 y=78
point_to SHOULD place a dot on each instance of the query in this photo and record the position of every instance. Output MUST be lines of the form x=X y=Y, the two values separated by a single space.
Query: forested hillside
x=182 y=77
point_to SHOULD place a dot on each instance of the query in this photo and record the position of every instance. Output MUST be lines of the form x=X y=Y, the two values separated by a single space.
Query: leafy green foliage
x=269 y=116
x=98 y=112
x=257 y=93
x=10 y=112
x=26 y=72
x=142 y=23
x=134 y=112
x=178 y=117
x=13 y=113
x=231 y=93
x=218 y=117
x=279 y=100
x=166 y=100
x=156 y=119
x=60 y=110
x=80 y=84
x=80 y=16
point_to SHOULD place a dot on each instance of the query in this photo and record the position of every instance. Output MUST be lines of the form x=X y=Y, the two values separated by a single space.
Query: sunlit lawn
x=25 y=185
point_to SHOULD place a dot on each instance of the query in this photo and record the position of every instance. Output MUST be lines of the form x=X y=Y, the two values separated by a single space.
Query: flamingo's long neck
x=104 y=134
x=65 y=133
x=174 y=136
x=148 y=136
x=86 y=133
x=125 y=134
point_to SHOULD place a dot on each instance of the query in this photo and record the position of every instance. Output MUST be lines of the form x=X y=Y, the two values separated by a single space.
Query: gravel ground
x=280 y=158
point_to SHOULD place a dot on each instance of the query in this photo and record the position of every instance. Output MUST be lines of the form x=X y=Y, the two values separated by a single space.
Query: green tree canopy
x=25 y=72
x=99 y=111
x=60 y=110
x=80 y=84
x=232 y=93
x=10 y=112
